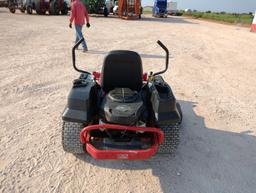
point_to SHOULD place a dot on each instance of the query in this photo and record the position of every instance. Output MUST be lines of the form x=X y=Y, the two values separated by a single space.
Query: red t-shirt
x=78 y=13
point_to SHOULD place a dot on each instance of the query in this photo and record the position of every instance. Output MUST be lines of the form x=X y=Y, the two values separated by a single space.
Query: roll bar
x=82 y=71
x=74 y=57
x=166 y=58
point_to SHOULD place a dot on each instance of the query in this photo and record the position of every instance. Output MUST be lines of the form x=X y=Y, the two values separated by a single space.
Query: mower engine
x=122 y=106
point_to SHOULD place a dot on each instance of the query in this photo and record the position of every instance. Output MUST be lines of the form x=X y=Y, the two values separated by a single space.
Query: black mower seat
x=122 y=69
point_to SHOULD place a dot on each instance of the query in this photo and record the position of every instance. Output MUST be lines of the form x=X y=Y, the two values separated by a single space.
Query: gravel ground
x=212 y=73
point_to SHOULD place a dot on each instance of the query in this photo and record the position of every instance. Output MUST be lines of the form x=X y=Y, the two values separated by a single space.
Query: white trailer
x=172 y=7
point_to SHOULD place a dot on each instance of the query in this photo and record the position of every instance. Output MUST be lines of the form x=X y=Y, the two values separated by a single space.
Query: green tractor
x=96 y=6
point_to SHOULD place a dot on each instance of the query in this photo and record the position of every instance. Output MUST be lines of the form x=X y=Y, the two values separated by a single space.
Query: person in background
x=78 y=14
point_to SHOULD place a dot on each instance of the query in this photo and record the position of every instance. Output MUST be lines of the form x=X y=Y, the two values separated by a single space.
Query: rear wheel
x=171 y=138
x=71 y=137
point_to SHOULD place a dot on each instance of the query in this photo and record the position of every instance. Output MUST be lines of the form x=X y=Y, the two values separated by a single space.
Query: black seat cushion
x=122 y=69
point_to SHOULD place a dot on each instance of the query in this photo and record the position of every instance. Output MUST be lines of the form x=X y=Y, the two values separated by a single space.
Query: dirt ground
x=212 y=73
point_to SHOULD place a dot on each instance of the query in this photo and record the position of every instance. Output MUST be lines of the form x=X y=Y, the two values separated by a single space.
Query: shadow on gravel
x=207 y=160
x=168 y=20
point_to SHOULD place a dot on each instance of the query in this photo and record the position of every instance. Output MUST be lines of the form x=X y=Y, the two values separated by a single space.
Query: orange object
x=129 y=9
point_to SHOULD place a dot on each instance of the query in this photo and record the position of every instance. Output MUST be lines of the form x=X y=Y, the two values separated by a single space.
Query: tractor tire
x=54 y=8
x=38 y=7
x=71 y=137
x=22 y=10
x=64 y=10
x=171 y=139
x=12 y=6
x=12 y=9
x=29 y=10
x=105 y=12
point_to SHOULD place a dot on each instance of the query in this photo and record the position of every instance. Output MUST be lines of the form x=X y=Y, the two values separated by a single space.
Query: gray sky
x=214 y=5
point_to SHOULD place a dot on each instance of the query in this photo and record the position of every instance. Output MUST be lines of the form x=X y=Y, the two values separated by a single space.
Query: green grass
x=147 y=10
x=224 y=17
x=245 y=19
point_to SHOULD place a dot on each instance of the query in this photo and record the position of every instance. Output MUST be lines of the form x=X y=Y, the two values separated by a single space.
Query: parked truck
x=172 y=8
x=160 y=8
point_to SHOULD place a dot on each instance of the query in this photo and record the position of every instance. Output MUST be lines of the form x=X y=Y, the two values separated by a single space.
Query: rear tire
x=171 y=139
x=71 y=137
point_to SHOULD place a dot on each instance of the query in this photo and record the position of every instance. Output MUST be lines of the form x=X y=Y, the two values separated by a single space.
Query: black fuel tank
x=122 y=106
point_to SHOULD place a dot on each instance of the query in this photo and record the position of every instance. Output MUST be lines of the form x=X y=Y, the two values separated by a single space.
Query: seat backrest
x=122 y=69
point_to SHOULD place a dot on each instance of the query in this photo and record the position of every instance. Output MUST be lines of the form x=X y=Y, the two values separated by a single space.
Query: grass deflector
x=121 y=112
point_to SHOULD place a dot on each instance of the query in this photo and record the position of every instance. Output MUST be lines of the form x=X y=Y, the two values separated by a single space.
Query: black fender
x=82 y=102
x=164 y=104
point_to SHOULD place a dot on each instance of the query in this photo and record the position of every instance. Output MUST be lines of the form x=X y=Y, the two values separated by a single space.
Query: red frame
x=121 y=154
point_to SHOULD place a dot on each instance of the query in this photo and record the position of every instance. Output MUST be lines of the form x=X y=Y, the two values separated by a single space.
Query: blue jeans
x=79 y=35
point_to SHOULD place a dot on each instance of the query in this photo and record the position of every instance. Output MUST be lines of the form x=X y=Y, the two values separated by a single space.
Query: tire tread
x=71 y=137
x=171 y=139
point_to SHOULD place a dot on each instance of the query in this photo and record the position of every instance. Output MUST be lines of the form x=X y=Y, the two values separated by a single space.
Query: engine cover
x=122 y=106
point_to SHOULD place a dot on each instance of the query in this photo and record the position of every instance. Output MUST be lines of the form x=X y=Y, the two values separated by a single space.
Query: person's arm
x=73 y=13
x=86 y=15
